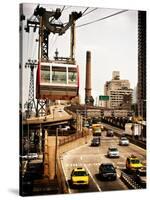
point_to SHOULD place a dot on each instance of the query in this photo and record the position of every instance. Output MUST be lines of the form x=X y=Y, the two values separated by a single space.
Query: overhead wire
x=89 y=12
x=50 y=42
x=63 y=9
x=67 y=7
x=52 y=45
x=35 y=47
x=27 y=51
x=85 y=10
x=54 y=41
x=94 y=21
x=35 y=50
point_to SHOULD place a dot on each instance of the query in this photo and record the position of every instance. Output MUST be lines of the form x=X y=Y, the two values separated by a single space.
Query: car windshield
x=123 y=138
x=142 y=173
x=135 y=161
x=113 y=149
x=96 y=139
x=80 y=173
x=108 y=168
x=97 y=129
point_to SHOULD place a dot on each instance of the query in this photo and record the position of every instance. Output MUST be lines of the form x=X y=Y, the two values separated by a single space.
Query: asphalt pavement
x=91 y=157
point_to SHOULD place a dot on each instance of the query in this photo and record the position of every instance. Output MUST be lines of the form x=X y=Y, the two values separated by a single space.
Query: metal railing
x=129 y=181
x=73 y=137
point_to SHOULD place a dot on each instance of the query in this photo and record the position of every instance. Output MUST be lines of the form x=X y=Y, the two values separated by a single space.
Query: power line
x=89 y=12
x=85 y=10
x=56 y=37
x=27 y=52
x=63 y=9
x=122 y=11
x=67 y=7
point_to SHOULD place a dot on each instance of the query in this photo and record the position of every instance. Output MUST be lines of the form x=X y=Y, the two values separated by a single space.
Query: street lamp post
x=53 y=113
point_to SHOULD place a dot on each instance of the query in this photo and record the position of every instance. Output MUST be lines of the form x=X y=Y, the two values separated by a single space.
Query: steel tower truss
x=30 y=104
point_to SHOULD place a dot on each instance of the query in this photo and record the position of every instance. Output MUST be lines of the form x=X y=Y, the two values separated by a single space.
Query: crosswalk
x=120 y=165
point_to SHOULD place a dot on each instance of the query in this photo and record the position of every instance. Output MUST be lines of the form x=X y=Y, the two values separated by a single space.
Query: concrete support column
x=52 y=156
x=45 y=154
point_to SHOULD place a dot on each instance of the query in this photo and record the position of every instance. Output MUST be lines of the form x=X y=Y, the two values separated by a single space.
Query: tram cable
x=94 y=21
x=27 y=52
x=89 y=12
x=63 y=9
x=32 y=46
x=85 y=11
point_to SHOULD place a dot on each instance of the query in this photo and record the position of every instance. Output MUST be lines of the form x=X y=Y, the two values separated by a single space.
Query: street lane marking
x=92 y=178
x=77 y=148
x=80 y=164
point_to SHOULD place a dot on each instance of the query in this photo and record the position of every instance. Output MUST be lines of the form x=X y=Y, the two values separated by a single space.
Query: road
x=57 y=113
x=91 y=157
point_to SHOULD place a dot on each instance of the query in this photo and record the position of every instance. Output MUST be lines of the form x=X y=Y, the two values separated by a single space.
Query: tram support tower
x=30 y=104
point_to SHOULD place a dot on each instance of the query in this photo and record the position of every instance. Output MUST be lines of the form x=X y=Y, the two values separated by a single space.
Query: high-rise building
x=142 y=64
x=119 y=92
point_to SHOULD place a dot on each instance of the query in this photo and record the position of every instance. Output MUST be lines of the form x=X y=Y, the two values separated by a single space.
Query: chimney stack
x=88 y=97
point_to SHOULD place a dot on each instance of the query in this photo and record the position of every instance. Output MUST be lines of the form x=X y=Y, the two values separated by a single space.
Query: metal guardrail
x=61 y=178
x=137 y=142
x=73 y=137
x=134 y=141
x=129 y=181
x=46 y=156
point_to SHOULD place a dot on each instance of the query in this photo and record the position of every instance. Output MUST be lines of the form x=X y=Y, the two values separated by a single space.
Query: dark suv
x=110 y=133
x=95 y=141
x=107 y=171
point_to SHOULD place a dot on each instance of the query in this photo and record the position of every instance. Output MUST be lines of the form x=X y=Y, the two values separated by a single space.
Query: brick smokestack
x=88 y=98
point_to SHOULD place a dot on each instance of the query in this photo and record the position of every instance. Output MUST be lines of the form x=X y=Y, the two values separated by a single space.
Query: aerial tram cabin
x=57 y=81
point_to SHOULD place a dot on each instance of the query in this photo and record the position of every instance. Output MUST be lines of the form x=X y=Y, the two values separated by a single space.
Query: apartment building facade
x=119 y=92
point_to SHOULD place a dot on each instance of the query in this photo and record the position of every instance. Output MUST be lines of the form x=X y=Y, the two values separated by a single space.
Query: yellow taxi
x=79 y=176
x=133 y=163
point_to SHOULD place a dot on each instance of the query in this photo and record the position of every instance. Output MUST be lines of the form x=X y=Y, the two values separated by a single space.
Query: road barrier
x=74 y=137
x=131 y=184
x=61 y=178
x=46 y=157
x=137 y=142
x=117 y=132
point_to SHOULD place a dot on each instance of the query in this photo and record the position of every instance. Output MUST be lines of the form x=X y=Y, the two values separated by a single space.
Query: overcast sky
x=112 y=42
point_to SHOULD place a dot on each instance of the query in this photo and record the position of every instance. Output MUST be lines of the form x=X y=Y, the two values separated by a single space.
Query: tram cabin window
x=72 y=76
x=59 y=75
x=45 y=74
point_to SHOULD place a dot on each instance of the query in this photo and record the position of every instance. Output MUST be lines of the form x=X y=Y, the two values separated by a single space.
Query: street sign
x=103 y=98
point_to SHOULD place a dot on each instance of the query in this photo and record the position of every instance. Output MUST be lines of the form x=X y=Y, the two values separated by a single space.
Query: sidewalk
x=45 y=186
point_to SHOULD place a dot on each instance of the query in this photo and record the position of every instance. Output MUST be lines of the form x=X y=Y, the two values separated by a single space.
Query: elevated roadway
x=58 y=116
